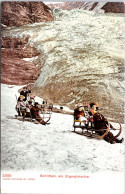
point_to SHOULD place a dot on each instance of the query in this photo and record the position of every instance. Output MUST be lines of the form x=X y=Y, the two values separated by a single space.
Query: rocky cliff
x=22 y=13
x=114 y=7
x=14 y=68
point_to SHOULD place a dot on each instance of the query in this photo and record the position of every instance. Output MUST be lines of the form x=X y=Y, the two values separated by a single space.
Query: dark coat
x=34 y=112
x=100 y=121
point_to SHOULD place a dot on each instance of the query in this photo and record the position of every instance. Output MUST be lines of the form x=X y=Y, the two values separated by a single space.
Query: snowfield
x=34 y=149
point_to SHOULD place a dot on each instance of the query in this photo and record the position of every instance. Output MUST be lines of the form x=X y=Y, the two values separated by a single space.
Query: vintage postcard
x=62 y=97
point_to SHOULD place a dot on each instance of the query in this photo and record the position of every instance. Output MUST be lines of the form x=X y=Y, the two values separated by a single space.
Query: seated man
x=31 y=99
x=100 y=122
x=35 y=113
x=92 y=111
x=93 y=108
x=86 y=109
x=28 y=106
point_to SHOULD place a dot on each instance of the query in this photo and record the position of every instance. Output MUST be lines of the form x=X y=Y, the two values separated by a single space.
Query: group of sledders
x=89 y=114
x=27 y=107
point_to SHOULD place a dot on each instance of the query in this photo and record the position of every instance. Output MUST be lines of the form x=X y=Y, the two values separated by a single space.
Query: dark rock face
x=22 y=13
x=14 y=69
x=113 y=7
x=93 y=6
x=17 y=48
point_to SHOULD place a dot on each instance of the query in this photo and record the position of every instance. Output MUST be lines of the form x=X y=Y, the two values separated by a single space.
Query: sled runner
x=89 y=131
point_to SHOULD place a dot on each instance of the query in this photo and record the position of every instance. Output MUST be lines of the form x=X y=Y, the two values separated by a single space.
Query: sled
x=44 y=114
x=23 y=118
x=89 y=131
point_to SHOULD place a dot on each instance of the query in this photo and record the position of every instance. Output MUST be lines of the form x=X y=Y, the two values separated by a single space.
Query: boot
x=112 y=142
x=109 y=140
x=119 y=140
x=43 y=122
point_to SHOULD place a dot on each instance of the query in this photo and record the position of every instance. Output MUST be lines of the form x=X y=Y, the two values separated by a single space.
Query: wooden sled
x=44 y=114
x=91 y=132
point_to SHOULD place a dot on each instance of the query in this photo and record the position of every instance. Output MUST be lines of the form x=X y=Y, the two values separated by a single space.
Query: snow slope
x=54 y=149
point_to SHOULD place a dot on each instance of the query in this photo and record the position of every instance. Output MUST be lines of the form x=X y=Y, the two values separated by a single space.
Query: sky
x=48 y=2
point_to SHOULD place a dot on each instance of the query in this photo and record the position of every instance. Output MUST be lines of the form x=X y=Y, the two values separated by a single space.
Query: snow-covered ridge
x=98 y=7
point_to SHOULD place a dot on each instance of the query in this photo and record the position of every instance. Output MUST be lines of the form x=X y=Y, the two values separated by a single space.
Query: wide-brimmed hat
x=21 y=96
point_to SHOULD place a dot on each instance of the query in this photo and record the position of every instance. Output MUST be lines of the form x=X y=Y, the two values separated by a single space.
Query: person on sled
x=92 y=111
x=29 y=102
x=79 y=114
x=35 y=113
x=31 y=99
x=86 y=109
x=24 y=93
x=22 y=98
x=21 y=106
x=100 y=122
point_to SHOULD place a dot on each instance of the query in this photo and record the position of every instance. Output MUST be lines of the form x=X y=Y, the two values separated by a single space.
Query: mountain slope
x=83 y=56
